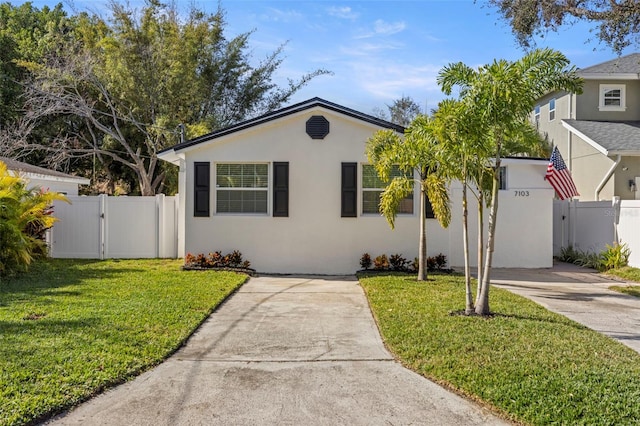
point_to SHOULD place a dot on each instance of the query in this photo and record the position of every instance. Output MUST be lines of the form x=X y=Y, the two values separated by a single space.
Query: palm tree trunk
x=482 y=307
x=422 y=248
x=465 y=239
x=480 y=242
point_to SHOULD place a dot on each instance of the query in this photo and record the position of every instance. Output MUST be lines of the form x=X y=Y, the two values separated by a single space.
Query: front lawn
x=627 y=273
x=71 y=328
x=532 y=365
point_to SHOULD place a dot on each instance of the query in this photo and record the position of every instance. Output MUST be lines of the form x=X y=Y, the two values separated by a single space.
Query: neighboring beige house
x=46 y=179
x=598 y=132
x=293 y=192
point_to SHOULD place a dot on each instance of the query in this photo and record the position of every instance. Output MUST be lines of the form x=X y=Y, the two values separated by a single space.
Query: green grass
x=631 y=290
x=531 y=365
x=627 y=273
x=71 y=328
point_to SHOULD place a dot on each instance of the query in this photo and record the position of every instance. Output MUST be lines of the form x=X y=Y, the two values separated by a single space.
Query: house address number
x=522 y=193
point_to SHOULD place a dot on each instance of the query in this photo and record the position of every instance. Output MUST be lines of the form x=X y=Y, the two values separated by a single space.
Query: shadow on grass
x=43 y=326
x=45 y=277
x=410 y=276
x=534 y=318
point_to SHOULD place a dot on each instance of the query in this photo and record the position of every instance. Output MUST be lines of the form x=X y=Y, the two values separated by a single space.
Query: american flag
x=559 y=176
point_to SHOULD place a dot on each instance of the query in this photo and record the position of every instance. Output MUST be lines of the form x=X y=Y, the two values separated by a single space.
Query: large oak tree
x=617 y=21
x=122 y=87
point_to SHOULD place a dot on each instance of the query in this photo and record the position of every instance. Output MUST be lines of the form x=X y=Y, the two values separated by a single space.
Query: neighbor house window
x=242 y=188
x=612 y=97
x=536 y=116
x=552 y=109
x=502 y=177
x=372 y=187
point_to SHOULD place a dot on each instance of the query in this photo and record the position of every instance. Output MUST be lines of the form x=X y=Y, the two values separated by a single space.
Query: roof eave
x=524 y=160
x=609 y=76
x=625 y=153
x=586 y=138
x=50 y=178
x=171 y=156
x=284 y=112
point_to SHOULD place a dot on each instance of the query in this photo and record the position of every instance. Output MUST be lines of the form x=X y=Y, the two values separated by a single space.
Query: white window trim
x=268 y=189
x=604 y=88
x=536 y=115
x=552 y=110
x=378 y=214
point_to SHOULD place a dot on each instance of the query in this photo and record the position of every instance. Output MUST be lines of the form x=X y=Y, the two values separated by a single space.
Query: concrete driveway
x=286 y=351
x=580 y=294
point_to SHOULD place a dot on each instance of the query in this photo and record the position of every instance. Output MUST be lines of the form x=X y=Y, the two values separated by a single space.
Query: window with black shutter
x=281 y=189
x=202 y=175
x=349 y=189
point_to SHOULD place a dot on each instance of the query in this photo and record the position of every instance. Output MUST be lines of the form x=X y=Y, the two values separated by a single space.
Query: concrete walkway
x=580 y=294
x=286 y=351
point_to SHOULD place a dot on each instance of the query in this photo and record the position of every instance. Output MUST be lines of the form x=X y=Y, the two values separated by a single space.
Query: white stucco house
x=293 y=192
x=49 y=180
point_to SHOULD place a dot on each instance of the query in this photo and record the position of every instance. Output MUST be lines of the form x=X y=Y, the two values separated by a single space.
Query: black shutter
x=201 y=178
x=349 y=189
x=281 y=189
x=428 y=210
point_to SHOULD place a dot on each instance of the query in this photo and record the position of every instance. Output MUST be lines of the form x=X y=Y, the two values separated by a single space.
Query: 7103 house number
x=522 y=193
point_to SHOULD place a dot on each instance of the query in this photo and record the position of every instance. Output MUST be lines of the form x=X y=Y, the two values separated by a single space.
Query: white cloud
x=343 y=12
x=388 y=28
x=391 y=81
x=279 y=15
x=366 y=49
x=382 y=28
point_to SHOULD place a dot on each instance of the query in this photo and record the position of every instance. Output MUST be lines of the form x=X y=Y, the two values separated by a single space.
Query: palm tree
x=419 y=156
x=460 y=146
x=25 y=213
x=498 y=99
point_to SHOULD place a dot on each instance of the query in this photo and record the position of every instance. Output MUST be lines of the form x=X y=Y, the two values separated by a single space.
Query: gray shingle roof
x=19 y=166
x=615 y=137
x=629 y=64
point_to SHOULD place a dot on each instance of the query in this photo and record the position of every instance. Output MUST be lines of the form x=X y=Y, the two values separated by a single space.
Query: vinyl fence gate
x=101 y=227
x=591 y=225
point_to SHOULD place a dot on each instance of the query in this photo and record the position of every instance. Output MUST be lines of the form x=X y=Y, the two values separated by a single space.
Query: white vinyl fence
x=102 y=227
x=591 y=225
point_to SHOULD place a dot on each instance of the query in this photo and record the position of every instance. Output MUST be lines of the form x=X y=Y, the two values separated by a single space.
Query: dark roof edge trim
x=284 y=112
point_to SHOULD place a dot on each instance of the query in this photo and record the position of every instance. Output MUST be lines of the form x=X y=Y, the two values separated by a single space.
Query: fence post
x=160 y=225
x=573 y=218
x=102 y=224
x=615 y=204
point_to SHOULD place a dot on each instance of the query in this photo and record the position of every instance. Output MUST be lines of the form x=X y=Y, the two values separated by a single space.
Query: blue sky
x=377 y=50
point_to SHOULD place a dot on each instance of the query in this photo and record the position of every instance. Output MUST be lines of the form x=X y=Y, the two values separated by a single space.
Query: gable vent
x=317 y=127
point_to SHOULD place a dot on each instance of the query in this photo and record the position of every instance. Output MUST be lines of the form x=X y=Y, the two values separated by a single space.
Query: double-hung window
x=536 y=116
x=372 y=187
x=612 y=97
x=242 y=188
x=552 y=109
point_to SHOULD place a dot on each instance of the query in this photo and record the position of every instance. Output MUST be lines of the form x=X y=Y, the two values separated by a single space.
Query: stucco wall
x=314 y=238
x=553 y=129
x=589 y=166
x=524 y=235
x=622 y=178
x=587 y=103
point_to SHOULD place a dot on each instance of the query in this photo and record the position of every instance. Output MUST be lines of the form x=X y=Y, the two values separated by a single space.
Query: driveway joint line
x=284 y=361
